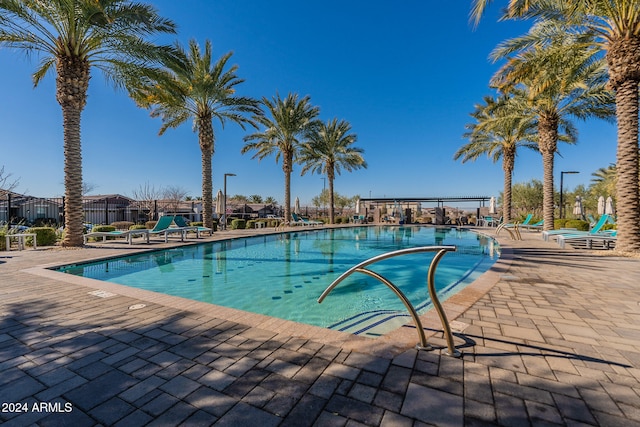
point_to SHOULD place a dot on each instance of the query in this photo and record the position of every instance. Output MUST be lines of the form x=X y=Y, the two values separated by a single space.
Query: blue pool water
x=282 y=275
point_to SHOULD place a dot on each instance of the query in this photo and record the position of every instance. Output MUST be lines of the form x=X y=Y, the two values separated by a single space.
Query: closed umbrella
x=296 y=206
x=492 y=206
x=577 y=207
x=600 y=205
x=358 y=207
x=219 y=203
x=608 y=208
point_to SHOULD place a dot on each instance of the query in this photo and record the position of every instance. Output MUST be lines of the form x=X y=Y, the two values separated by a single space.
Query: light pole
x=561 y=196
x=225 y=198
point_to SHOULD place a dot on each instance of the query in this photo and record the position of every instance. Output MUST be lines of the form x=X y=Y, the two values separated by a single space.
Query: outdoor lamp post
x=225 y=198
x=561 y=196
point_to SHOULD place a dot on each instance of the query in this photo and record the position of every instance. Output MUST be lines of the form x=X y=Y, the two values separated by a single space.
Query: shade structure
x=601 y=205
x=492 y=205
x=358 y=207
x=577 y=207
x=296 y=206
x=219 y=203
x=608 y=207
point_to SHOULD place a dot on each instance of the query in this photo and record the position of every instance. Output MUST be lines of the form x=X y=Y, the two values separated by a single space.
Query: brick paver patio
x=554 y=341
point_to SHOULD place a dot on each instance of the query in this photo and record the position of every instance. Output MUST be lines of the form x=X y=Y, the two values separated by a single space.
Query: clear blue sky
x=406 y=75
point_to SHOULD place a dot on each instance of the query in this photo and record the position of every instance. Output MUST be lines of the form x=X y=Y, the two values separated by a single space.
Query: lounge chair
x=181 y=222
x=546 y=235
x=163 y=227
x=605 y=238
x=298 y=220
x=535 y=226
x=128 y=234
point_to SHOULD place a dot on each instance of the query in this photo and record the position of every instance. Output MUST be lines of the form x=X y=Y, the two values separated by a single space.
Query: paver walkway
x=556 y=341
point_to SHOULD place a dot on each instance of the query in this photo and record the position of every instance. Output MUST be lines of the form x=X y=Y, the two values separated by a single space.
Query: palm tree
x=616 y=29
x=284 y=132
x=192 y=87
x=563 y=78
x=72 y=37
x=502 y=127
x=328 y=151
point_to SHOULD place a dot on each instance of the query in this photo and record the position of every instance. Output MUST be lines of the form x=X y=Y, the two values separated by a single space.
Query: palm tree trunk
x=205 y=136
x=627 y=197
x=548 y=134
x=287 y=165
x=331 y=177
x=508 y=160
x=72 y=82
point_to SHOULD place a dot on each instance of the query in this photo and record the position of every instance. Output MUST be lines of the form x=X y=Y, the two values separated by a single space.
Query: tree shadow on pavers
x=98 y=355
x=468 y=341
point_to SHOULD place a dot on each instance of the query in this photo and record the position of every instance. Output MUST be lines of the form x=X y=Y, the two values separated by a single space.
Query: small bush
x=338 y=220
x=45 y=222
x=559 y=223
x=122 y=225
x=103 y=228
x=3 y=240
x=150 y=224
x=137 y=227
x=45 y=236
x=251 y=223
x=578 y=224
x=238 y=224
x=610 y=227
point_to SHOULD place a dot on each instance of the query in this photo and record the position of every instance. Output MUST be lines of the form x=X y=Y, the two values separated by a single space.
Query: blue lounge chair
x=603 y=237
x=535 y=226
x=181 y=222
x=163 y=227
x=566 y=231
x=128 y=234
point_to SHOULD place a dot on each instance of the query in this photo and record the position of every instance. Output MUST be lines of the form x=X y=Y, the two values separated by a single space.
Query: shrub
x=150 y=224
x=578 y=224
x=251 y=223
x=338 y=220
x=122 y=225
x=103 y=228
x=273 y=223
x=45 y=222
x=559 y=223
x=3 y=240
x=45 y=236
x=238 y=224
x=609 y=227
x=137 y=227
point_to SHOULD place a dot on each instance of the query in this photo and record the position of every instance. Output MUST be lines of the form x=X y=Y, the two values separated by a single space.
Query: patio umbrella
x=577 y=207
x=600 y=205
x=358 y=207
x=219 y=203
x=296 y=206
x=492 y=205
x=608 y=208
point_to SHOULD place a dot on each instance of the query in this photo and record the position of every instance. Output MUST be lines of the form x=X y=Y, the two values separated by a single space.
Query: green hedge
x=3 y=240
x=559 y=223
x=578 y=224
x=45 y=236
x=103 y=228
x=238 y=224
x=251 y=223
x=137 y=227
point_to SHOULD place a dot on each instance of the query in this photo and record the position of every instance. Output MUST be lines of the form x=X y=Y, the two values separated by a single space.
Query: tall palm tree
x=329 y=150
x=72 y=37
x=616 y=27
x=193 y=87
x=564 y=79
x=284 y=132
x=501 y=127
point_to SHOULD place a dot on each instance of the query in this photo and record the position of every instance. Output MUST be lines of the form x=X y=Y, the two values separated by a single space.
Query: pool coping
x=388 y=345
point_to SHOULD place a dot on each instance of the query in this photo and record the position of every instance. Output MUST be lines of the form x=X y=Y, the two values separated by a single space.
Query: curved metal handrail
x=441 y=251
x=516 y=228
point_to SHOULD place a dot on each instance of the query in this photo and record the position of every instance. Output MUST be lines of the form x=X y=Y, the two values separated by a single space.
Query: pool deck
x=549 y=337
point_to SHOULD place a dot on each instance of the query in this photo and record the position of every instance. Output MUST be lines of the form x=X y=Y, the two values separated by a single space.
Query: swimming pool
x=282 y=275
